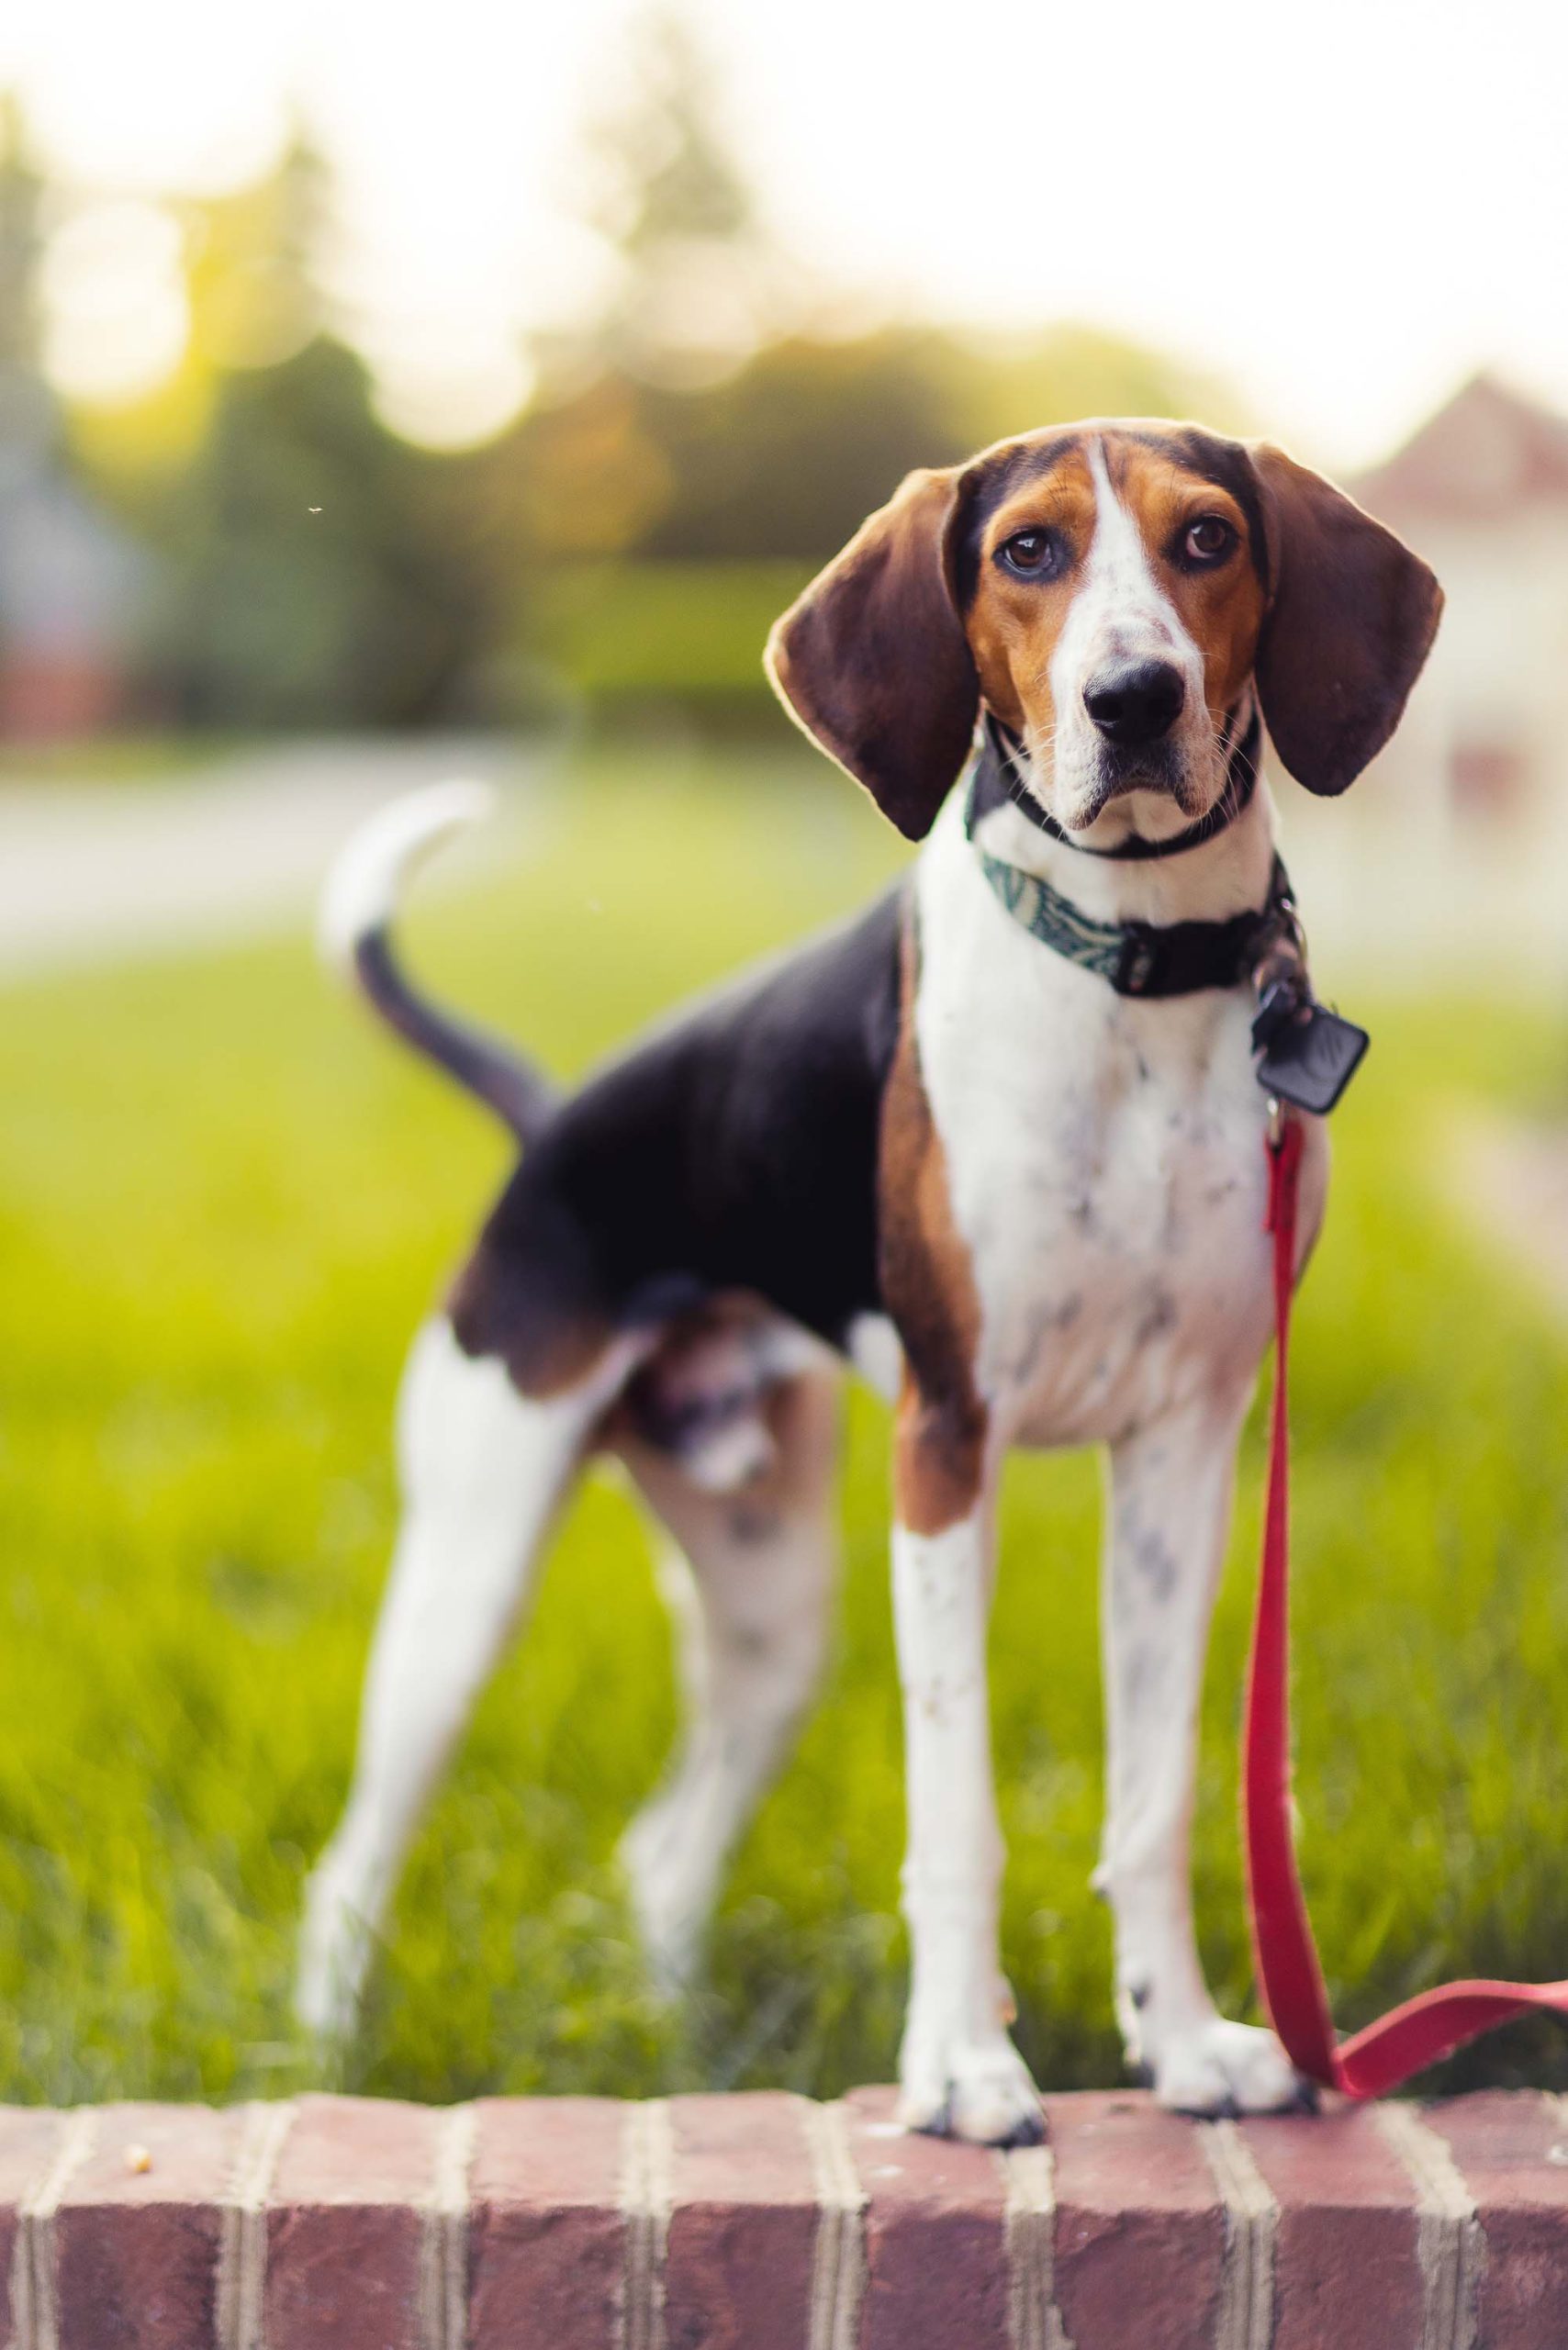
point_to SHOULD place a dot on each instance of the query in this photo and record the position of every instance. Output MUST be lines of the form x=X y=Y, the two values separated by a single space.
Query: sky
x=1343 y=208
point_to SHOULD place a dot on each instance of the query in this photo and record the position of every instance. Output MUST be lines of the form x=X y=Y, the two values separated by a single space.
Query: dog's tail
x=357 y=906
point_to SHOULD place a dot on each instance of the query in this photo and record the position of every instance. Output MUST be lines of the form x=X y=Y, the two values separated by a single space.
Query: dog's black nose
x=1134 y=701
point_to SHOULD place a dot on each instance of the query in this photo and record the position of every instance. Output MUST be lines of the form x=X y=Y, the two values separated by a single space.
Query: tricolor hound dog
x=1020 y=1193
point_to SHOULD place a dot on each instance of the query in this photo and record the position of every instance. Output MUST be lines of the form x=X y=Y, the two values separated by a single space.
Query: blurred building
x=72 y=587
x=1454 y=847
x=1482 y=491
x=73 y=584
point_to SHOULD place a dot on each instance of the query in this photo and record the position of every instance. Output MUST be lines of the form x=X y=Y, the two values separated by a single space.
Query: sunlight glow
x=116 y=316
x=1342 y=208
x=451 y=398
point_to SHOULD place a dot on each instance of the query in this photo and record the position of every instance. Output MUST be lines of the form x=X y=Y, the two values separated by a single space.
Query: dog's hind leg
x=750 y=1584
x=483 y=1471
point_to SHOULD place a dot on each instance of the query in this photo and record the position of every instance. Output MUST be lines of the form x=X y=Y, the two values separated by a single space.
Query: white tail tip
x=367 y=874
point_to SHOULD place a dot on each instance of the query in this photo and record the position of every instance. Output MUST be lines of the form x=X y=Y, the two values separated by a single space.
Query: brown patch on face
x=928 y=1285
x=1221 y=607
x=1013 y=624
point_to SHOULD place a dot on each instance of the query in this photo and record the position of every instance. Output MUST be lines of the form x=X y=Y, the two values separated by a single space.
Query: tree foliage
x=315 y=586
x=317 y=571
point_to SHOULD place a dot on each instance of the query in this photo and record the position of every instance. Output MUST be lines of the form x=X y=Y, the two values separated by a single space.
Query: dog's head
x=1110 y=590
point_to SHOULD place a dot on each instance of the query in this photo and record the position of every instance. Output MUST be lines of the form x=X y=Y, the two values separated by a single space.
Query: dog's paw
x=978 y=2090
x=1218 y=2067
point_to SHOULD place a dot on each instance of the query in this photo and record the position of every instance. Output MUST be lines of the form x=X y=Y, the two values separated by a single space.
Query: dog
x=997 y=1145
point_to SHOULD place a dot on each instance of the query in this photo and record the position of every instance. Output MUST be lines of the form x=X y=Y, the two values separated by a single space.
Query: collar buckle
x=1139 y=957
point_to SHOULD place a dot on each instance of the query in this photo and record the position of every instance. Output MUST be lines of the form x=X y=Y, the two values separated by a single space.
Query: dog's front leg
x=1169 y=1513
x=960 y=2073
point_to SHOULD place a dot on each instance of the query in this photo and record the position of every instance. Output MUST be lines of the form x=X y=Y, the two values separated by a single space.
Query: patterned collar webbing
x=1136 y=958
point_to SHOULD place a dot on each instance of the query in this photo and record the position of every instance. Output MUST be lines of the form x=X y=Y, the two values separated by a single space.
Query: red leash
x=1410 y=2037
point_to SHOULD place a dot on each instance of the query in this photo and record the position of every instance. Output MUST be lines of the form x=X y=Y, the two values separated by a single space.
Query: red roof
x=1488 y=454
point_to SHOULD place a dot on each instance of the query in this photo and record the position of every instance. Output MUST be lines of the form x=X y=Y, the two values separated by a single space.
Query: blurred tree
x=72 y=586
x=1000 y=387
x=700 y=417
x=695 y=286
x=587 y=475
x=253 y=271
x=316 y=582
x=251 y=265
x=786 y=456
x=27 y=410
x=318 y=571
x=21 y=195
x=789 y=456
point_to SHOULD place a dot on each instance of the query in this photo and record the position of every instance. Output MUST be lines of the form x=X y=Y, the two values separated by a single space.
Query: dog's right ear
x=873 y=663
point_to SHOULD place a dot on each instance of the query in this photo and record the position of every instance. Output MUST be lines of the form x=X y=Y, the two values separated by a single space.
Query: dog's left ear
x=873 y=662
x=1350 y=620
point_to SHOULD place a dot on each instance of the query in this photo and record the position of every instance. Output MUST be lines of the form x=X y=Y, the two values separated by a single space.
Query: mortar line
x=1450 y=2247
x=37 y=2290
x=238 y=2318
x=1034 y=2320
x=444 y=2235
x=839 y=2246
x=647 y=2164
x=1246 y=2317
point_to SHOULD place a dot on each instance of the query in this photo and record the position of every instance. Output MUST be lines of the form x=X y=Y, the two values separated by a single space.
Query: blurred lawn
x=224 y=1203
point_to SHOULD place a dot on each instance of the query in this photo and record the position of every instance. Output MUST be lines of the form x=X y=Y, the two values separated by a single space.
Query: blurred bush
x=310 y=580
x=633 y=630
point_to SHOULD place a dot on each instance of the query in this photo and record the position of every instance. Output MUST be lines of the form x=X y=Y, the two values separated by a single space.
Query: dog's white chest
x=1105 y=1165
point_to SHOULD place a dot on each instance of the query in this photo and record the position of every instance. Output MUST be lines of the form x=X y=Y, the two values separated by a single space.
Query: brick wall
x=765 y=2222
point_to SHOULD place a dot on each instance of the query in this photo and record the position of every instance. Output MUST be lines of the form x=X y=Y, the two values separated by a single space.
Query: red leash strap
x=1410 y=2037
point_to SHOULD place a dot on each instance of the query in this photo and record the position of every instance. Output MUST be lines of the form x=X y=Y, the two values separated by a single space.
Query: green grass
x=224 y=1201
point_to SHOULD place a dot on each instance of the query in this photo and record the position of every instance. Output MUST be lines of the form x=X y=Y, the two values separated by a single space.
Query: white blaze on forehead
x=1120 y=608
x=1120 y=611
x=1119 y=564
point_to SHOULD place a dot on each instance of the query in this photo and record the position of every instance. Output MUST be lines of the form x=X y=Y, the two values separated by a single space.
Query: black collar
x=1146 y=959
x=998 y=777
x=1136 y=958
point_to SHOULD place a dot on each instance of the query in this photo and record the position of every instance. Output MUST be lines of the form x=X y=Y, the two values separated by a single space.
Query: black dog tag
x=1309 y=1054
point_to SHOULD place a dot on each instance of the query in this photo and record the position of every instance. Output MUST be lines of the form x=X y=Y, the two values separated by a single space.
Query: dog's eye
x=1032 y=554
x=1208 y=539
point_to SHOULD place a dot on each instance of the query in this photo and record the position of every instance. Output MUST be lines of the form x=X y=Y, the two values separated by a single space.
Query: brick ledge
x=762 y=2221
